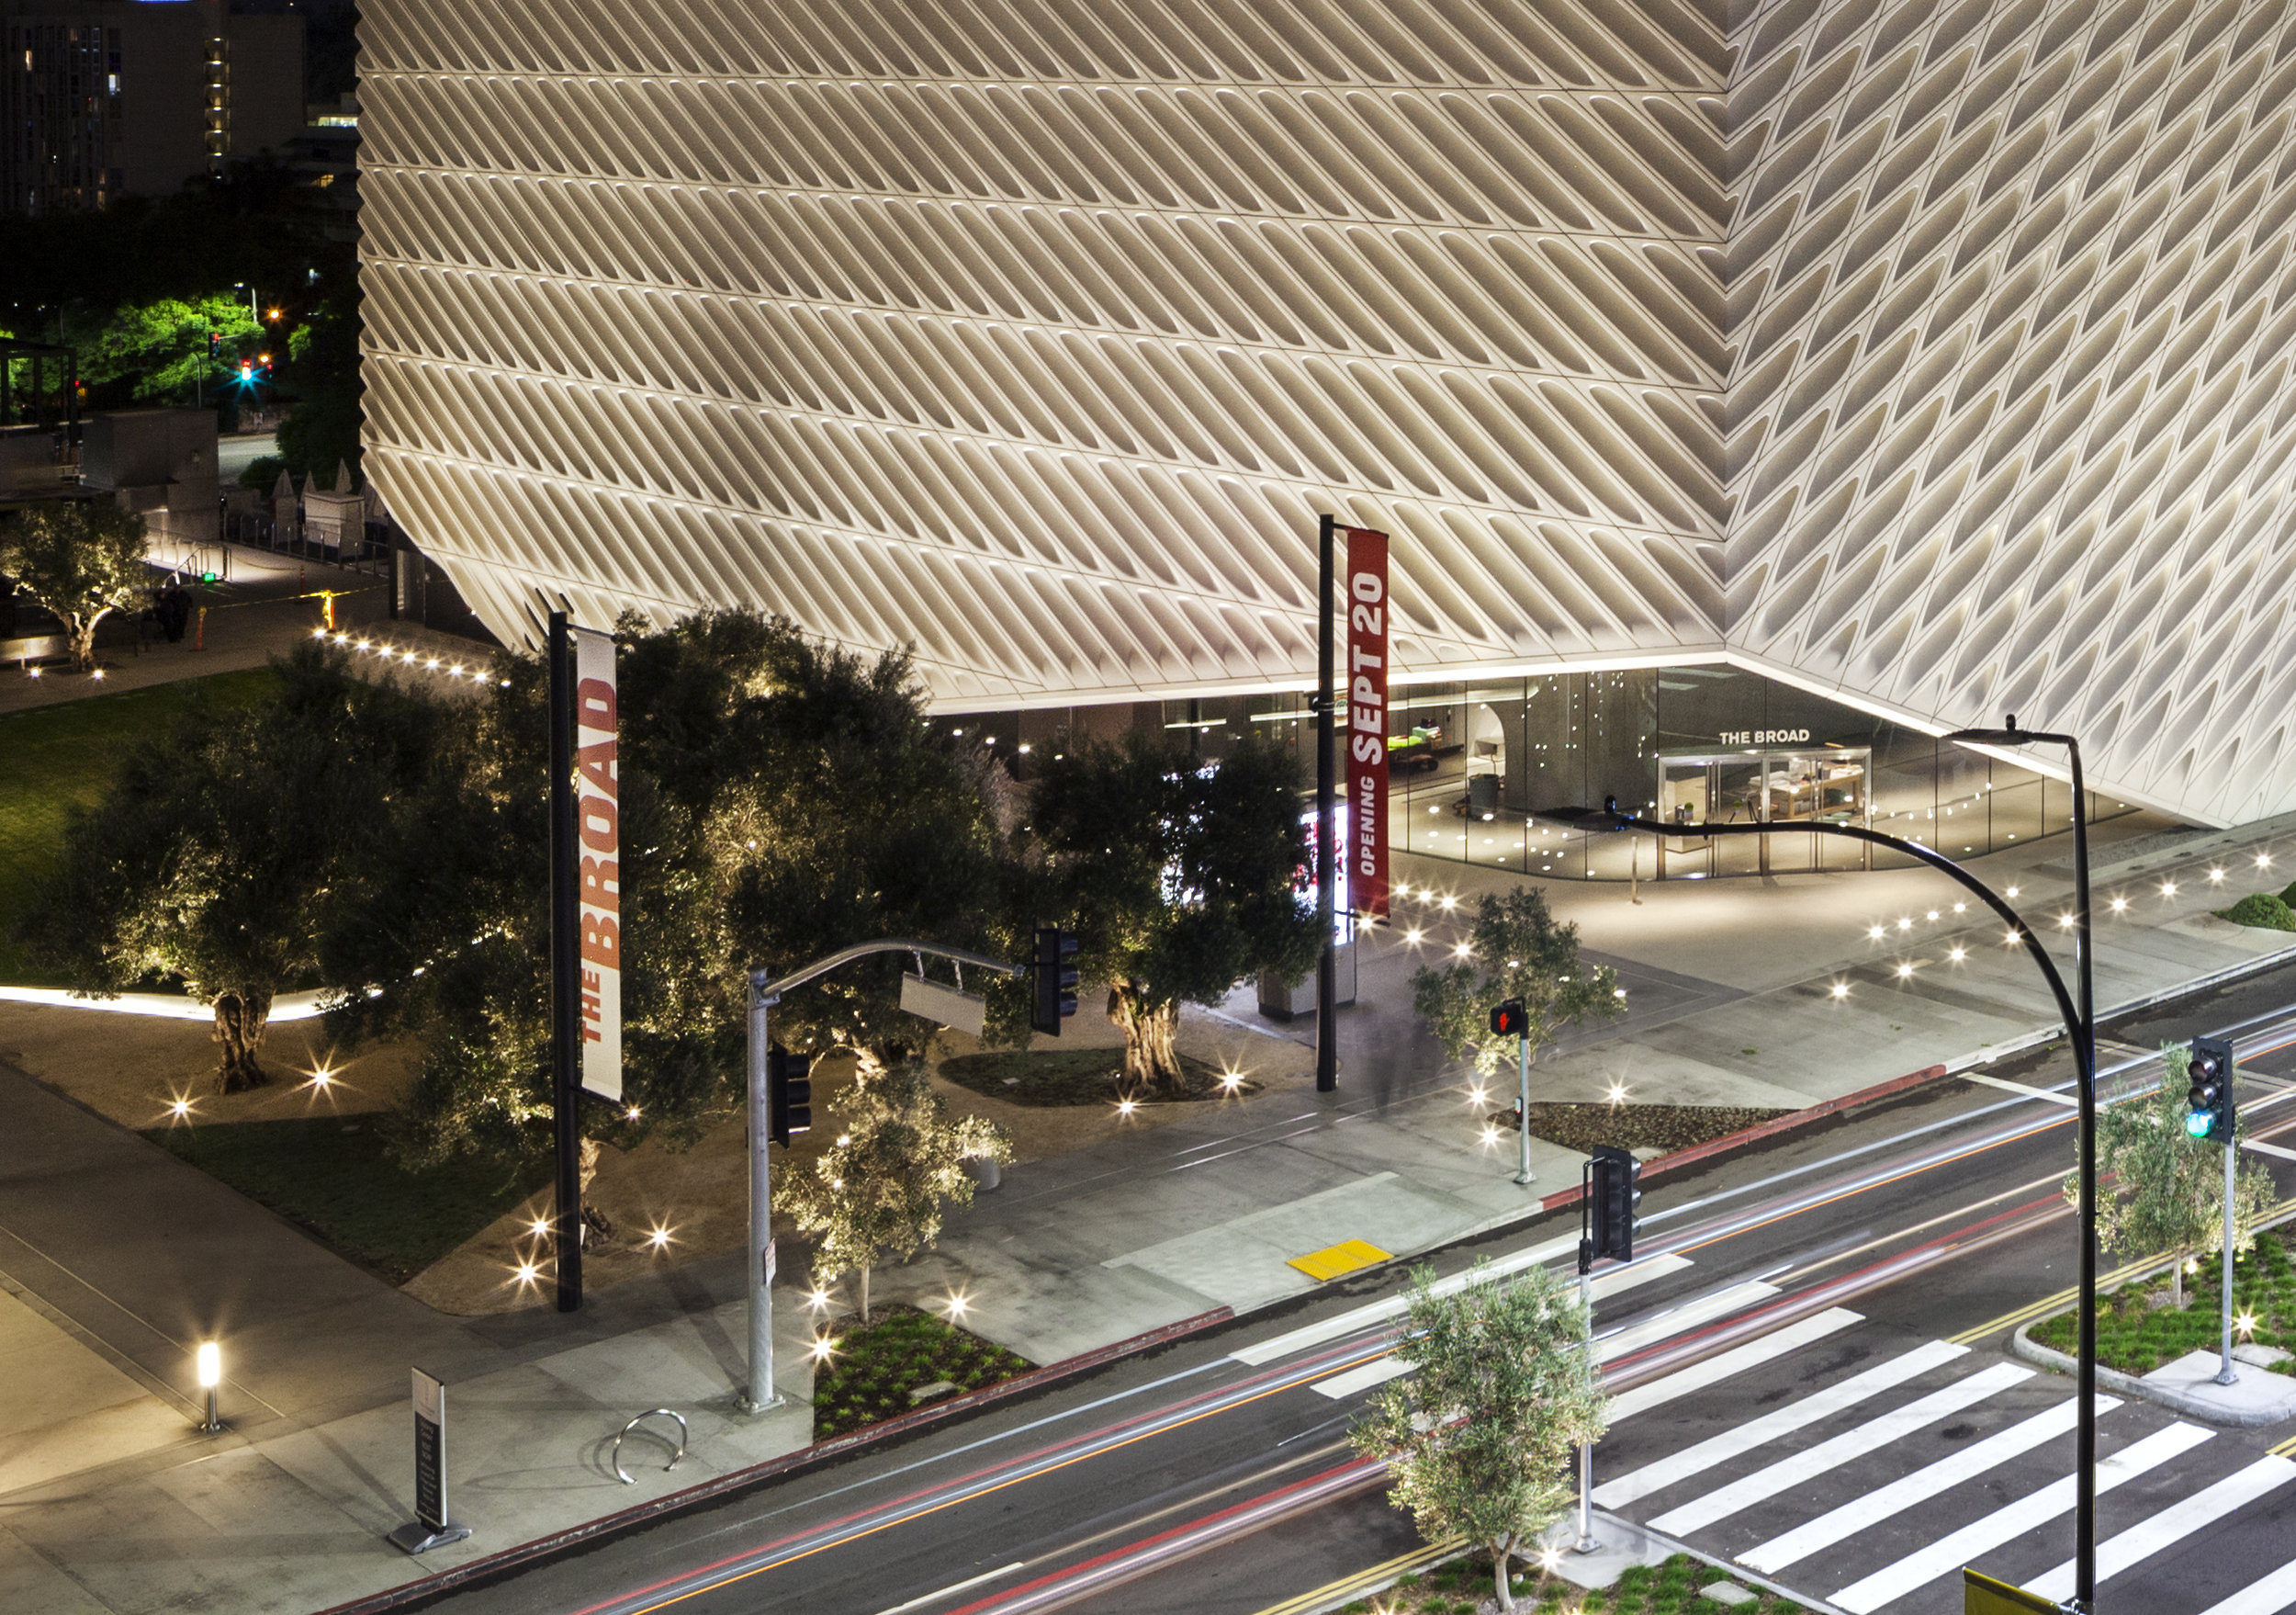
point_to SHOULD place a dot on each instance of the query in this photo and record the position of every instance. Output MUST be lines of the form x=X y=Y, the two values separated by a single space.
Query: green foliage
x=1180 y=880
x=2136 y=1335
x=873 y=1370
x=321 y=379
x=161 y=346
x=1516 y=950
x=81 y=559
x=244 y=228
x=62 y=758
x=2261 y=909
x=214 y=857
x=1479 y=1440
x=878 y=1192
x=262 y=473
x=335 y=1177
x=2168 y=1193
x=1670 y=1588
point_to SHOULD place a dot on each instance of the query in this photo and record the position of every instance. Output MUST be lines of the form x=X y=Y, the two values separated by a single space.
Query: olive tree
x=1181 y=879
x=1479 y=1437
x=214 y=857
x=878 y=1192
x=82 y=560
x=2167 y=1188
x=1517 y=949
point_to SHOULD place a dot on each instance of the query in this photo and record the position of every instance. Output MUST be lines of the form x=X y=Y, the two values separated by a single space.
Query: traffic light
x=788 y=1095
x=1510 y=1019
x=1607 y=1217
x=2209 y=1100
x=1054 y=997
x=215 y=345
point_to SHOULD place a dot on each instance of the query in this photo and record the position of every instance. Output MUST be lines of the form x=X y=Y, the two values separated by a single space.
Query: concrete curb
x=736 y=1480
x=2022 y=1344
x=1760 y=1131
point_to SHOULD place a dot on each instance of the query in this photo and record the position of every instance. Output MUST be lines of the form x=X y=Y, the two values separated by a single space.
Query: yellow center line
x=1364 y=1581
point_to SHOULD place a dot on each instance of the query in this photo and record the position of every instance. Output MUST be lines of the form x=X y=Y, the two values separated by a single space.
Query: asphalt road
x=1194 y=1479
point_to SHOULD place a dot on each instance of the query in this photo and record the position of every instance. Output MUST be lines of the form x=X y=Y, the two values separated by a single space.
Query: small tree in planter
x=81 y=561
x=878 y=1192
x=1516 y=950
x=1479 y=1440
x=2168 y=1187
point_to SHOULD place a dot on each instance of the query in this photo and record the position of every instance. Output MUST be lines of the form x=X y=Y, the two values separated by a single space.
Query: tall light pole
x=1326 y=827
x=2076 y=1006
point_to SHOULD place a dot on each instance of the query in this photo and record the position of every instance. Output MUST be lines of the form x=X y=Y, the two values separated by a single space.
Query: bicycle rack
x=675 y=1459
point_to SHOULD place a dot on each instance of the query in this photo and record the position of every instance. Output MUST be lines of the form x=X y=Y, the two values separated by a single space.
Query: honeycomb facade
x=1930 y=356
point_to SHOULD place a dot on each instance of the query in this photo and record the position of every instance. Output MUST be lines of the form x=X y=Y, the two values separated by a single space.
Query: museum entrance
x=1828 y=784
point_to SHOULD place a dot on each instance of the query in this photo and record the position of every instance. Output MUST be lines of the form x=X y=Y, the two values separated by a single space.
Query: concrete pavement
x=118 y=1259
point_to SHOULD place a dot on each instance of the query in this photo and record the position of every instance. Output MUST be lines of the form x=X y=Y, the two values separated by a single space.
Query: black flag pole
x=566 y=968
x=1326 y=852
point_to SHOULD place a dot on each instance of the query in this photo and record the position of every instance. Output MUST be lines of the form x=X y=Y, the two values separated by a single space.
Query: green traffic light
x=2199 y=1123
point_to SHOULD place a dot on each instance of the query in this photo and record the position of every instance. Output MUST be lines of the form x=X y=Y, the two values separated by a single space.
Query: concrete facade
x=1927 y=356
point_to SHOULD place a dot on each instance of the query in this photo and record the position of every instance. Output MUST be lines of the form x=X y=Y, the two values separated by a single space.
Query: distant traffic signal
x=1607 y=1214
x=1511 y=1020
x=215 y=345
x=2208 y=1102
x=788 y=1095
x=1053 y=987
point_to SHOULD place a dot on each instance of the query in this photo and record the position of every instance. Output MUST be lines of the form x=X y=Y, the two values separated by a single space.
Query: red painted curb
x=1762 y=1130
x=735 y=1480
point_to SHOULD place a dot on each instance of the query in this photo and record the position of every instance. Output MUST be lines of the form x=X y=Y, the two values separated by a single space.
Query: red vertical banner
x=1366 y=675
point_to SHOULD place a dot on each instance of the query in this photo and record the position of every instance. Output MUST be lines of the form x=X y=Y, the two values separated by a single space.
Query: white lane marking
x=1696 y=1460
x=2019 y=1089
x=1379 y=1312
x=1736 y=1361
x=1923 y=1484
x=956 y=1588
x=2263 y=1148
x=1845 y=1448
x=1956 y=1549
x=2273 y=1594
x=1381 y=1370
x=2172 y=1524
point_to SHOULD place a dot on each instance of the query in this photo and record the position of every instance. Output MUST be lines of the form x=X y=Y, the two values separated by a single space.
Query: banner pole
x=1326 y=834
x=566 y=985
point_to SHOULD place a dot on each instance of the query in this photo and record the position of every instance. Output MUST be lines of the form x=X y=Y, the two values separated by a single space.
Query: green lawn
x=331 y=1175
x=1671 y=1588
x=63 y=757
x=872 y=1371
x=2136 y=1335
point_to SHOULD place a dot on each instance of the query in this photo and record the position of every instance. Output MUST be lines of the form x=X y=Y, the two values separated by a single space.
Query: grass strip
x=1669 y=1589
x=330 y=1176
x=1073 y=1077
x=2137 y=1331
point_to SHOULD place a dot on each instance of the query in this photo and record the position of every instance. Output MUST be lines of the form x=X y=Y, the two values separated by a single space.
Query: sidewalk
x=115 y=1257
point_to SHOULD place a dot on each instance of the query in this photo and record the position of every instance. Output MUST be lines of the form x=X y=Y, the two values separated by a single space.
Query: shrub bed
x=2136 y=1333
x=1073 y=1077
x=875 y=1366
x=1670 y=1588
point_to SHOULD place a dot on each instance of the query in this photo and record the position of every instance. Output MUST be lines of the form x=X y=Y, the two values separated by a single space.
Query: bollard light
x=210 y=1364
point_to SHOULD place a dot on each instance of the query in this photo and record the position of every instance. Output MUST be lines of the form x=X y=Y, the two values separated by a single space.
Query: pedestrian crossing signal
x=1053 y=987
x=2209 y=1099
x=1510 y=1019
x=788 y=1095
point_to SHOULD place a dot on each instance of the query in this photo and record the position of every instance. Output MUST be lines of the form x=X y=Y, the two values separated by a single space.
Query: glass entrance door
x=1764 y=787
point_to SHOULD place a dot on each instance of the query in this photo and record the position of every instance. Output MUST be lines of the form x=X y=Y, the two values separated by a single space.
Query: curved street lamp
x=2077 y=1006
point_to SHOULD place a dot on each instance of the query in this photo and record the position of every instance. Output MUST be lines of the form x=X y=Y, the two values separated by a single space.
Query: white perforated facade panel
x=1931 y=353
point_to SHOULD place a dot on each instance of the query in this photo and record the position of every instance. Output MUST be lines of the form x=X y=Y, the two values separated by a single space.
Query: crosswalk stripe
x=1845 y=1448
x=1381 y=1370
x=2172 y=1524
x=1864 y=1513
x=1728 y=1364
x=1956 y=1549
x=2274 y=1593
x=1696 y=1460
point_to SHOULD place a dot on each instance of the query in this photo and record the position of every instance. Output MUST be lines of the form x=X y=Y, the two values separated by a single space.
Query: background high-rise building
x=106 y=98
x=1882 y=357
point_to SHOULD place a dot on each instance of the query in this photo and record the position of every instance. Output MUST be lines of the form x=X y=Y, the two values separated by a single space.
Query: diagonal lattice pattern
x=1037 y=334
x=1933 y=351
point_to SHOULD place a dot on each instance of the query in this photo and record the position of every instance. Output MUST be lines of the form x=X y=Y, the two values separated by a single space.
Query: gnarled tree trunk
x=1151 y=1062
x=240 y=1020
